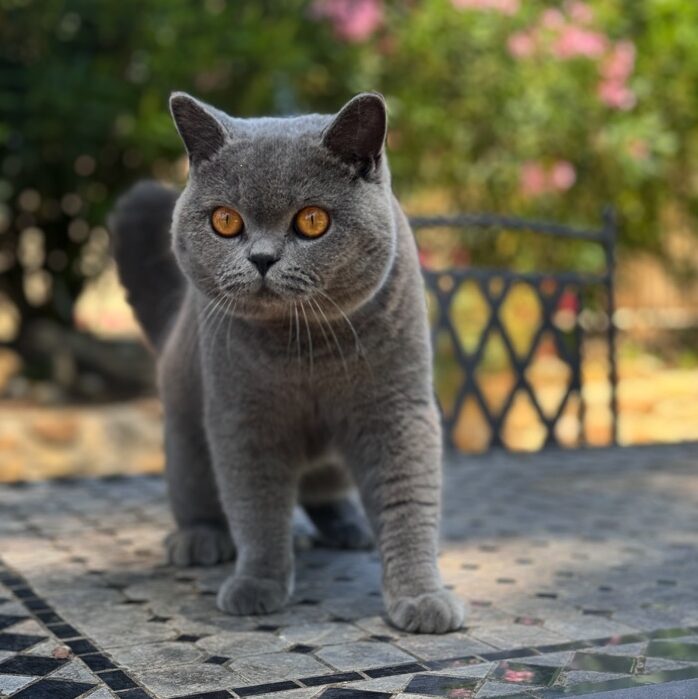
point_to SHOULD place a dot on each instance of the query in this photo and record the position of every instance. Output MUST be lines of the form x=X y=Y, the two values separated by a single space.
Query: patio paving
x=581 y=570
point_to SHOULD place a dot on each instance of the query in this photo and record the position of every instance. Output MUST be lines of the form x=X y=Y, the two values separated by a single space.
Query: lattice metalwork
x=470 y=307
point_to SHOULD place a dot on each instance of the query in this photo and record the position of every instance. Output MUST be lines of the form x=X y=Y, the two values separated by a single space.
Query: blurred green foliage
x=490 y=108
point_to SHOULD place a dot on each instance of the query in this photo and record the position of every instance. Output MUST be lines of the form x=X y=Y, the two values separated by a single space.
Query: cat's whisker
x=290 y=332
x=310 y=337
x=334 y=335
x=298 y=334
x=321 y=324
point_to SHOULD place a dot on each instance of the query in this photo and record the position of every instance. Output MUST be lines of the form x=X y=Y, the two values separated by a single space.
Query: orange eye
x=312 y=221
x=226 y=221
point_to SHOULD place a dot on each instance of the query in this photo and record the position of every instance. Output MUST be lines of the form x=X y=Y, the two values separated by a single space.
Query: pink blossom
x=579 y=11
x=563 y=175
x=505 y=7
x=552 y=19
x=533 y=179
x=576 y=41
x=521 y=45
x=352 y=20
x=616 y=94
x=620 y=62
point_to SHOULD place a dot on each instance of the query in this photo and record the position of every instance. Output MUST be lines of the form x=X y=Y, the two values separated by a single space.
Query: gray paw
x=242 y=595
x=431 y=612
x=199 y=545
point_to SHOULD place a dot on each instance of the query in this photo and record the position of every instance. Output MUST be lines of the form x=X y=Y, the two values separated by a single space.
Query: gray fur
x=290 y=387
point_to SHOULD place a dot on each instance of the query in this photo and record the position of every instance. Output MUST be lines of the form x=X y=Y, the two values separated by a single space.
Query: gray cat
x=282 y=293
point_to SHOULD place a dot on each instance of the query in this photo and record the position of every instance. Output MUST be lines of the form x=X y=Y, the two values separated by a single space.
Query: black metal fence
x=494 y=286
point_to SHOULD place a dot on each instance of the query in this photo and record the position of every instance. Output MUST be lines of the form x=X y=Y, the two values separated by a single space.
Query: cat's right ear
x=200 y=130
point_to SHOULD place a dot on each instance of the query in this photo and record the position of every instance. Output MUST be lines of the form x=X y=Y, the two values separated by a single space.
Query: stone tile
x=13 y=683
x=238 y=644
x=273 y=667
x=516 y=636
x=359 y=655
x=447 y=646
x=327 y=633
x=155 y=655
x=75 y=670
x=190 y=679
x=499 y=689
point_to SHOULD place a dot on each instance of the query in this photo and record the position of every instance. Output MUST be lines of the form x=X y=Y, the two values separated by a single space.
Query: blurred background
x=545 y=110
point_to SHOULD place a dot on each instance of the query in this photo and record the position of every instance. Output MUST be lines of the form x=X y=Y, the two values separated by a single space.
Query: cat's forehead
x=273 y=164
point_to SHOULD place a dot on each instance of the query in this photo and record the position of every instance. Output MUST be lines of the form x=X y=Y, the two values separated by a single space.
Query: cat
x=282 y=294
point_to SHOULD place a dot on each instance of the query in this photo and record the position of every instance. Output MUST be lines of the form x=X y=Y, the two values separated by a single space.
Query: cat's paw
x=200 y=545
x=245 y=595
x=431 y=612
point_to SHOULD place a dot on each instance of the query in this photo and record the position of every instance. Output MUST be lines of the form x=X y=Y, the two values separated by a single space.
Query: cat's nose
x=263 y=261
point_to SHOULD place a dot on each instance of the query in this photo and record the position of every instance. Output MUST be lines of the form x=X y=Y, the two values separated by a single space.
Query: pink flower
x=352 y=20
x=537 y=180
x=579 y=11
x=533 y=179
x=552 y=19
x=620 y=62
x=563 y=175
x=521 y=45
x=505 y=7
x=616 y=94
x=575 y=41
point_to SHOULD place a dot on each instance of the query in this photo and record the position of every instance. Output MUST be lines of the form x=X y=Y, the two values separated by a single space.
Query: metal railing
x=494 y=285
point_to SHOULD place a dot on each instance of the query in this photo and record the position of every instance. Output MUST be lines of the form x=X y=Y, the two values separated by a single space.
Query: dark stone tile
x=265 y=688
x=54 y=689
x=64 y=631
x=393 y=670
x=319 y=680
x=506 y=654
x=188 y=638
x=48 y=617
x=220 y=694
x=7 y=620
x=266 y=627
x=97 y=662
x=301 y=648
x=217 y=660
x=443 y=686
x=521 y=673
x=672 y=633
x=37 y=605
x=597 y=662
x=347 y=693
x=138 y=694
x=674 y=650
x=452 y=662
x=30 y=665
x=117 y=679
x=82 y=646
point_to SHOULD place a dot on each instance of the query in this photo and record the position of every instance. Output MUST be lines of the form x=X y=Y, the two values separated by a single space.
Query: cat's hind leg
x=325 y=494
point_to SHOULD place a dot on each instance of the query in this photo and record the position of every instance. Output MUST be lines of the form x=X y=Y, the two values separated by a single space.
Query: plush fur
x=294 y=385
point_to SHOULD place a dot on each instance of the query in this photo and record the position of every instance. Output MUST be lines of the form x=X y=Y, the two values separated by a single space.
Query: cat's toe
x=245 y=595
x=200 y=545
x=431 y=612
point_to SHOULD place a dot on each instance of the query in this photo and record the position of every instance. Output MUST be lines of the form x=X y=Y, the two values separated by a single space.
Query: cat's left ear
x=357 y=133
x=199 y=128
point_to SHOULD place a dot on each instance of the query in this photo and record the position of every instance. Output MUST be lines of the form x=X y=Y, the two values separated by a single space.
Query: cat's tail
x=140 y=226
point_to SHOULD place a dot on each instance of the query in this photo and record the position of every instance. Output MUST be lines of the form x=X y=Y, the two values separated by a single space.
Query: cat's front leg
x=257 y=490
x=396 y=456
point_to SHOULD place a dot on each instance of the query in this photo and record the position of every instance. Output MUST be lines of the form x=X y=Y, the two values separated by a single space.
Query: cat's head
x=279 y=211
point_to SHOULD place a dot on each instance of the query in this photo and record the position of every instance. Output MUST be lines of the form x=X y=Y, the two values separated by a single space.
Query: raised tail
x=140 y=225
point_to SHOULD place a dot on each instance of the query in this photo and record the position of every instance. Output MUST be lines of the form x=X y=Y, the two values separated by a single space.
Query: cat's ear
x=200 y=130
x=357 y=133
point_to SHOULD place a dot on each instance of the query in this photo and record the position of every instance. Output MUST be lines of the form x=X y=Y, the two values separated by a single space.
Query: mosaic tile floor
x=581 y=570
